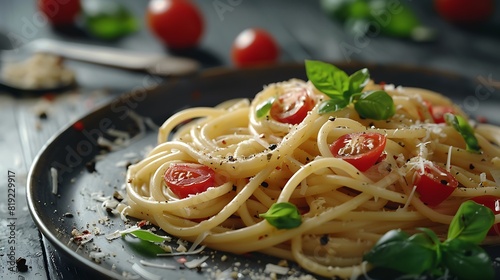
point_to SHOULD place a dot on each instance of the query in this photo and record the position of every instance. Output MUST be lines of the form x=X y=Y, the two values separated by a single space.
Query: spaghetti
x=259 y=161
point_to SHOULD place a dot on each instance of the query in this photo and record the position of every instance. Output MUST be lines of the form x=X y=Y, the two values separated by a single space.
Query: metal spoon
x=156 y=64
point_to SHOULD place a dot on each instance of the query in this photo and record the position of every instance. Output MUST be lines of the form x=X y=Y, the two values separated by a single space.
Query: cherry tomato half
x=292 y=107
x=60 y=12
x=492 y=202
x=362 y=150
x=437 y=111
x=185 y=179
x=464 y=11
x=434 y=184
x=254 y=46
x=177 y=23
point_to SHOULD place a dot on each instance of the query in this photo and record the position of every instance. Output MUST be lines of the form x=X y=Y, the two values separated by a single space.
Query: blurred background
x=460 y=37
x=456 y=35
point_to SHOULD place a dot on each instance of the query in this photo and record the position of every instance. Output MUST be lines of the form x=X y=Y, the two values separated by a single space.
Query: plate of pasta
x=295 y=171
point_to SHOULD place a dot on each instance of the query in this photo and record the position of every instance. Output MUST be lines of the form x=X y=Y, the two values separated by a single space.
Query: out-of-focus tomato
x=60 y=12
x=437 y=111
x=464 y=11
x=254 y=46
x=178 y=24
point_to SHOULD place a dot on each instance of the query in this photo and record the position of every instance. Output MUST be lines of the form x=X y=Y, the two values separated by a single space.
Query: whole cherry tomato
x=254 y=46
x=464 y=11
x=362 y=150
x=185 y=179
x=177 y=23
x=60 y=12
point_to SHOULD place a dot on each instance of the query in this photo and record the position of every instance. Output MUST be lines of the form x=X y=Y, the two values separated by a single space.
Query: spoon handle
x=114 y=57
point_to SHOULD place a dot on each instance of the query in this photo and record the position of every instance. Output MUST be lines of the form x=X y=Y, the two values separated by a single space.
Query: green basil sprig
x=422 y=252
x=145 y=235
x=463 y=127
x=283 y=215
x=344 y=90
x=264 y=107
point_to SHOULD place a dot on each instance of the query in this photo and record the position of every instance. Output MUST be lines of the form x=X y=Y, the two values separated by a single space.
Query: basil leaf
x=146 y=235
x=471 y=223
x=463 y=127
x=376 y=105
x=408 y=254
x=108 y=20
x=467 y=260
x=283 y=215
x=327 y=78
x=357 y=81
x=332 y=105
x=264 y=107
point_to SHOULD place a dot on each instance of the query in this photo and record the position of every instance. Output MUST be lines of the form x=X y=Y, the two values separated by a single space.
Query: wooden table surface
x=302 y=31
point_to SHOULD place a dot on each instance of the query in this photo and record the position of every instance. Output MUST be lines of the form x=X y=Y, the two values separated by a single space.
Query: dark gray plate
x=71 y=150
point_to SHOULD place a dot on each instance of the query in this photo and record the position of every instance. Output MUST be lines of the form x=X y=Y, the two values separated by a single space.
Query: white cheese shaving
x=119 y=233
x=198 y=240
x=194 y=252
x=157 y=265
x=448 y=160
x=196 y=262
x=482 y=178
x=412 y=193
x=53 y=176
x=144 y=273
x=272 y=268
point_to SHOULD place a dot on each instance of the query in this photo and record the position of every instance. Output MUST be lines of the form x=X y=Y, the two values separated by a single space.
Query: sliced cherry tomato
x=185 y=179
x=437 y=111
x=362 y=150
x=254 y=46
x=492 y=202
x=60 y=12
x=434 y=184
x=178 y=23
x=465 y=11
x=292 y=107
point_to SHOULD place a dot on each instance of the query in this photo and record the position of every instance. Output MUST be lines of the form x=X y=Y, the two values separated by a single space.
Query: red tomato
x=492 y=202
x=434 y=184
x=184 y=179
x=178 y=23
x=464 y=11
x=362 y=150
x=292 y=107
x=60 y=12
x=254 y=46
x=437 y=111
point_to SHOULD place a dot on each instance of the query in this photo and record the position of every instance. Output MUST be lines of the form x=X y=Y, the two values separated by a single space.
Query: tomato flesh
x=492 y=202
x=292 y=107
x=254 y=46
x=434 y=184
x=177 y=23
x=59 y=14
x=362 y=150
x=438 y=111
x=185 y=179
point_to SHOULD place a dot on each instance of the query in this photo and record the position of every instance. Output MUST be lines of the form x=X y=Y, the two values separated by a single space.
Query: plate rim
x=31 y=187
